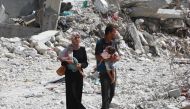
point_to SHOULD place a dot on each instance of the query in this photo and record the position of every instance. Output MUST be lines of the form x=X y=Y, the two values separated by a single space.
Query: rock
x=62 y=102
x=169 y=13
x=90 y=56
x=41 y=48
x=30 y=52
x=52 y=39
x=182 y=98
x=101 y=6
x=64 y=42
x=14 y=40
x=26 y=43
x=87 y=88
x=137 y=51
x=185 y=105
x=58 y=37
x=3 y=14
x=52 y=54
x=19 y=50
x=188 y=80
x=9 y=55
x=44 y=36
x=172 y=107
x=49 y=44
x=174 y=93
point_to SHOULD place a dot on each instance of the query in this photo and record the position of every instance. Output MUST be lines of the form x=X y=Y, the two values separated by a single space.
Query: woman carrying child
x=74 y=78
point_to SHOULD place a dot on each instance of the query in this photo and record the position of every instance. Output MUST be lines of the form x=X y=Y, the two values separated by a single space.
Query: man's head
x=110 y=31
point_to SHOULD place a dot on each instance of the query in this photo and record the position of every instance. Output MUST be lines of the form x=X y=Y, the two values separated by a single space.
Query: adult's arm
x=98 y=51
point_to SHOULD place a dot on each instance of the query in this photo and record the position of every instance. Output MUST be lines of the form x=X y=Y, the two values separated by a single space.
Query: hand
x=115 y=58
x=69 y=61
x=78 y=66
x=113 y=80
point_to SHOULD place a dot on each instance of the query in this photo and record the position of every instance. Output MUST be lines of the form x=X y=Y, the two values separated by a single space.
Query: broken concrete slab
x=114 y=3
x=101 y=6
x=136 y=38
x=20 y=8
x=174 y=93
x=3 y=14
x=51 y=14
x=147 y=8
x=17 y=31
x=169 y=13
x=44 y=36
x=173 y=23
x=41 y=48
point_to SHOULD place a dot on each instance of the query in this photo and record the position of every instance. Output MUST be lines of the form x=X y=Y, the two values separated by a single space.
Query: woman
x=74 y=80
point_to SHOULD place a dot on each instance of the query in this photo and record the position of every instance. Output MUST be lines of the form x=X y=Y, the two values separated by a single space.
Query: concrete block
x=41 y=48
x=3 y=15
x=44 y=36
x=14 y=40
x=64 y=42
x=17 y=31
x=174 y=93
x=169 y=13
x=29 y=52
x=101 y=6
x=9 y=55
x=52 y=39
x=20 y=7
x=52 y=54
x=18 y=50
x=49 y=44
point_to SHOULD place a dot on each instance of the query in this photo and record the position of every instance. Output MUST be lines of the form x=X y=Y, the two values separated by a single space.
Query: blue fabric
x=101 y=67
x=73 y=66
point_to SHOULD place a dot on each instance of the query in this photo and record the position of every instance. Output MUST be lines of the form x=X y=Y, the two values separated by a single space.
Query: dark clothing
x=100 y=46
x=74 y=81
x=107 y=88
x=65 y=7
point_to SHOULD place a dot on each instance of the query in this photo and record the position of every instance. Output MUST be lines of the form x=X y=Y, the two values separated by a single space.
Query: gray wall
x=17 y=8
x=17 y=31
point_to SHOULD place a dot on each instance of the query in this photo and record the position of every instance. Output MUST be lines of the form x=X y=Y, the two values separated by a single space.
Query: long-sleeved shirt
x=81 y=56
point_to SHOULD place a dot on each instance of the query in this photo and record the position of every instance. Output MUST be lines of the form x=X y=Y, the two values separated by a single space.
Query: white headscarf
x=73 y=36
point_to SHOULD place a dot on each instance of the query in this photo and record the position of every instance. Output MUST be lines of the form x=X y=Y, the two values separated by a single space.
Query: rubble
x=146 y=30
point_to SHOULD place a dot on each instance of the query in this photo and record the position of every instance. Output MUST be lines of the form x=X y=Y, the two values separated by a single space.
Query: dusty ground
x=25 y=83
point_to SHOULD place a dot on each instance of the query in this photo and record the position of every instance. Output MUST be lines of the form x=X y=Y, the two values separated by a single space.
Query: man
x=107 y=87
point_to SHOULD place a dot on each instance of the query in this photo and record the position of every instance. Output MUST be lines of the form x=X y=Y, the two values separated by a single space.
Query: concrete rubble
x=153 y=42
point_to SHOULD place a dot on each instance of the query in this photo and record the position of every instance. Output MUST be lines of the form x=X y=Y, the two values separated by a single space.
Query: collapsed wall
x=23 y=18
x=20 y=7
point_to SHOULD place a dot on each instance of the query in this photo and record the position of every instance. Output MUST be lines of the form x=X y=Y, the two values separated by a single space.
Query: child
x=67 y=55
x=108 y=54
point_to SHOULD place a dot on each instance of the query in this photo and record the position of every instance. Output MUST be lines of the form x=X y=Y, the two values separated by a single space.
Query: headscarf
x=73 y=36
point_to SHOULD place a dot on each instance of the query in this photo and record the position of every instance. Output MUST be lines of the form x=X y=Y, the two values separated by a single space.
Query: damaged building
x=139 y=20
x=27 y=17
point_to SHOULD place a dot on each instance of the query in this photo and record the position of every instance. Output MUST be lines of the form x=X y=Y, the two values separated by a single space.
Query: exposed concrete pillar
x=17 y=8
x=51 y=14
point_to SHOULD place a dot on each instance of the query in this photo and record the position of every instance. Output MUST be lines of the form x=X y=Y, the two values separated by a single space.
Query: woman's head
x=75 y=38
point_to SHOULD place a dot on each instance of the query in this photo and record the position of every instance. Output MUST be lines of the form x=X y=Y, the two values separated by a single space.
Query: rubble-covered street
x=153 y=72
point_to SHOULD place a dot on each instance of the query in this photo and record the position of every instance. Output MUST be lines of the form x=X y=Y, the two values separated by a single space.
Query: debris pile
x=145 y=31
